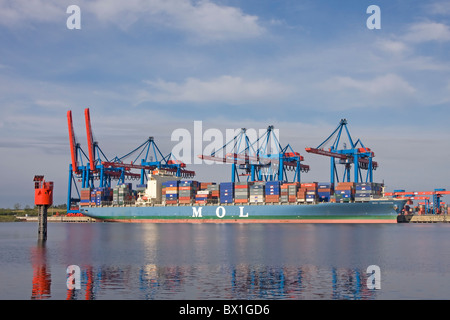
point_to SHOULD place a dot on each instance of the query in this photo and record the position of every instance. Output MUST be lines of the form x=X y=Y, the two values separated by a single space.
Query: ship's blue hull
x=375 y=211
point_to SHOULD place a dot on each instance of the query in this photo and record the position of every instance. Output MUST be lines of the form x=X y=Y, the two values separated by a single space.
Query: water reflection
x=126 y=261
x=41 y=273
x=221 y=282
x=120 y=261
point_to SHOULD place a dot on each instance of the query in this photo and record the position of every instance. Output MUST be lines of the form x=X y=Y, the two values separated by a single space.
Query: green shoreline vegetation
x=10 y=215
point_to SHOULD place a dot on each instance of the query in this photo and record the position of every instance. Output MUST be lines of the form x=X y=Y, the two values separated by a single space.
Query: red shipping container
x=309 y=185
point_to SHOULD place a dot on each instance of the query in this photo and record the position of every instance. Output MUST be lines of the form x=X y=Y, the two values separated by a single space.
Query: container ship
x=165 y=194
x=166 y=198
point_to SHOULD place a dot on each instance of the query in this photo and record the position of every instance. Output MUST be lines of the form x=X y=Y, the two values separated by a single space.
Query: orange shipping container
x=346 y=184
x=272 y=198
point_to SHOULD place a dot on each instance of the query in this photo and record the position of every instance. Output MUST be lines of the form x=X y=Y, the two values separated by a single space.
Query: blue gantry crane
x=152 y=158
x=355 y=154
x=94 y=169
x=263 y=159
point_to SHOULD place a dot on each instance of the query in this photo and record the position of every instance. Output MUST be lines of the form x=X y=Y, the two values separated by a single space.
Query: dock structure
x=57 y=219
x=423 y=218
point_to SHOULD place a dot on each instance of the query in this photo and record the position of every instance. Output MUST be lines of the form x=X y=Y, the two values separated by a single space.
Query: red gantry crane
x=421 y=195
x=100 y=171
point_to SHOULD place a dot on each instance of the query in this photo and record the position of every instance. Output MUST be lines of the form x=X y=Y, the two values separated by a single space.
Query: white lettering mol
x=223 y=212
x=196 y=212
x=241 y=213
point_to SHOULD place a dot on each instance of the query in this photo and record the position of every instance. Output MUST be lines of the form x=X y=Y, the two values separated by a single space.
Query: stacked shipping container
x=122 y=194
x=102 y=195
x=203 y=197
x=241 y=192
x=85 y=197
x=187 y=191
x=257 y=192
x=226 y=192
x=213 y=188
x=310 y=190
x=190 y=191
x=344 y=191
x=170 y=191
x=367 y=190
x=325 y=191
x=272 y=191
x=288 y=192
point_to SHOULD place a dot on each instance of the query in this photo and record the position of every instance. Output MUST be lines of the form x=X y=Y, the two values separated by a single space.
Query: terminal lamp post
x=43 y=199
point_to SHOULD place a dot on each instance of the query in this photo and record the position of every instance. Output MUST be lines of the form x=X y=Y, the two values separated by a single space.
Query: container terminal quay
x=267 y=185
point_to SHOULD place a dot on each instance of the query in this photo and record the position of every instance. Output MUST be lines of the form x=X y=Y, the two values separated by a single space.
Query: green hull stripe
x=321 y=217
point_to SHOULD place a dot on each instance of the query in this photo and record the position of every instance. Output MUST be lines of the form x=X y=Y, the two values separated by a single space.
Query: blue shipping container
x=344 y=192
x=324 y=185
x=363 y=194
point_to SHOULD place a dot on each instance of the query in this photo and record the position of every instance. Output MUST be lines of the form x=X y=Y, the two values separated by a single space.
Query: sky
x=149 y=67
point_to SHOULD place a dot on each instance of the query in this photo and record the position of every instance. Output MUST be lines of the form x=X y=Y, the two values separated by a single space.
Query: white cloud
x=394 y=47
x=439 y=8
x=376 y=86
x=387 y=90
x=16 y=12
x=216 y=22
x=203 y=19
x=226 y=89
x=427 y=31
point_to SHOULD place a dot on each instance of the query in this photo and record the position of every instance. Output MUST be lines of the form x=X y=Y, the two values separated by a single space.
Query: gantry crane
x=421 y=195
x=99 y=168
x=153 y=159
x=256 y=158
x=357 y=155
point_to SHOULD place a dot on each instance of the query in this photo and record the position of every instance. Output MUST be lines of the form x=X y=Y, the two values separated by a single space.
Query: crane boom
x=326 y=153
x=73 y=151
x=339 y=156
x=90 y=139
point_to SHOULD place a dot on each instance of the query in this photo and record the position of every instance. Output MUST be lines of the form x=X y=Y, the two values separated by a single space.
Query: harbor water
x=225 y=261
